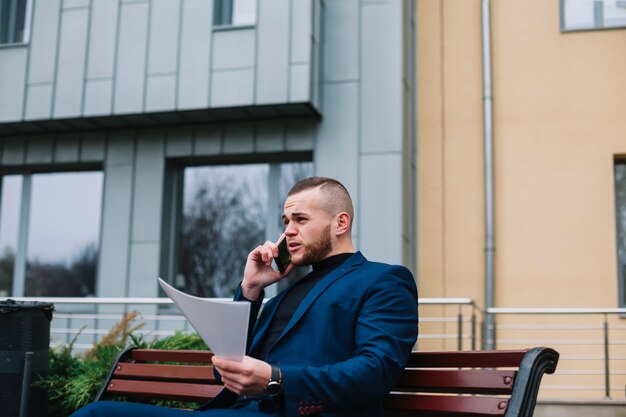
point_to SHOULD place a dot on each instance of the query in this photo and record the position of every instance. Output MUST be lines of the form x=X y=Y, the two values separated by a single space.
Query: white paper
x=223 y=325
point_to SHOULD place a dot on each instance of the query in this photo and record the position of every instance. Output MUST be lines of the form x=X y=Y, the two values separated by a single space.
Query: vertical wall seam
x=146 y=69
x=359 y=164
x=87 y=48
x=133 y=171
x=256 y=52
x=28 y=54
x=289 y=51
x=115 y=55
x=56 y=59
x=178 y=48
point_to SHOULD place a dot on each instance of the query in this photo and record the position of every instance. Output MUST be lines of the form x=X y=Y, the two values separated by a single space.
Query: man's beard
x=318 y=250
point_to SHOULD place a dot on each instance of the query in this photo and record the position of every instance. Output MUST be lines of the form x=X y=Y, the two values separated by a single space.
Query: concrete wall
x=559 y=102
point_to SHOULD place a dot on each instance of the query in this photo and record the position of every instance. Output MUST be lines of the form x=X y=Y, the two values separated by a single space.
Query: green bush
x=74 y=379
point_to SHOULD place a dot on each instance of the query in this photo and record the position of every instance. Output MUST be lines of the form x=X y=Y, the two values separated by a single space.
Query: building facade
x=158 y=137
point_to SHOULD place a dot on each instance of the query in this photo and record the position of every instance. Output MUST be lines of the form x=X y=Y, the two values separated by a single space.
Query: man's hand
x=259 y=273
x=244 y=378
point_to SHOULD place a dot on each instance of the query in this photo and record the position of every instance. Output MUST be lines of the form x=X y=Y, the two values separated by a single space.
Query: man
x=333 y=343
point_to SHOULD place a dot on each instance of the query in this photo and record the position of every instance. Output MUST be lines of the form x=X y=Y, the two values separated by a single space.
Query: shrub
x=74 y=379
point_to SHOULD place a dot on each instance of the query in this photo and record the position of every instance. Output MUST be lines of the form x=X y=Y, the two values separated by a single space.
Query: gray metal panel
x=39 y=150
x=179 y=142
x=161 y=92
x=98 y=96
x=233 y=49
x=131 y=58
x=68 y=92
x=195 y=52
x=300 y=135
x=38 y=101
x=381 y=78
x=337 y=141
x=115 y=231
x=232 y=88
x=381 y=199
x=238 y=138
x=121 y=149
x=13 y=151
x=13 y=70
x=92 y=147
x=66 y=148
x=163 y=43
x=300 y=83
x=270 y=136
x=301 y=29
x=67 y=4
x=208 y=141
x=43 y=41
x=144 y=269
x=273 y=29
x=341 y=32
x=148 y=187
x=102 y=36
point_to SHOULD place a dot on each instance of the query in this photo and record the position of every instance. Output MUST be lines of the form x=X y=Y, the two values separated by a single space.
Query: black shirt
x=296 y=293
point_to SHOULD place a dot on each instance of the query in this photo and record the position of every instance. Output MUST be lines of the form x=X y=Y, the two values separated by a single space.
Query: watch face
x=272 y=388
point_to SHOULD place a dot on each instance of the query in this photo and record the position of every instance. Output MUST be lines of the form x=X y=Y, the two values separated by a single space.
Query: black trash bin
x=24 y=352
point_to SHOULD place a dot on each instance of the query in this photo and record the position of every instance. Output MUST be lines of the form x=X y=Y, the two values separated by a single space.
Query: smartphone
x=284 y=257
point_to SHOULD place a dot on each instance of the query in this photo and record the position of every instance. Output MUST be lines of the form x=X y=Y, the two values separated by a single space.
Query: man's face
x=307 y=228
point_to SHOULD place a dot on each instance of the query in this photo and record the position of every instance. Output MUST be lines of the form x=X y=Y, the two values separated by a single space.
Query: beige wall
x=559 y=121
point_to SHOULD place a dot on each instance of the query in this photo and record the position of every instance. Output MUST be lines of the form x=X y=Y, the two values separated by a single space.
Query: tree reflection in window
x=223 y=219
x=224 y=216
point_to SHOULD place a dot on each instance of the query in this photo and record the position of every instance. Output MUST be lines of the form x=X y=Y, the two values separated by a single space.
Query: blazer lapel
x=349 y=265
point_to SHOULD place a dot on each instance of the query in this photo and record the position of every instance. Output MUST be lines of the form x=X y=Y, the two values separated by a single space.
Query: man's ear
x=343 y=221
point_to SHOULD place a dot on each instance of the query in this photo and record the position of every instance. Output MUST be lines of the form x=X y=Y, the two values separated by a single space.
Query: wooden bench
x=468 y=383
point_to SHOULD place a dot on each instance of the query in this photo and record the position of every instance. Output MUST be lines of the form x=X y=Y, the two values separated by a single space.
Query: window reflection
x=63 y=233
x=234 y=12
x=9 y=224
x=224 y=214
x=620 y=209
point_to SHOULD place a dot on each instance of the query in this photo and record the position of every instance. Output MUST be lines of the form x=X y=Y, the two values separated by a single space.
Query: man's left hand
x=248 y=377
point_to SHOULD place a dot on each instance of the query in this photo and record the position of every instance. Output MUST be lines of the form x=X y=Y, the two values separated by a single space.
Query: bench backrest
x=468 y=383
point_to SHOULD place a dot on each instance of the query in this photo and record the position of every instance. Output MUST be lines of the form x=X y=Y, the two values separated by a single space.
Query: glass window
x=620 y=210
x=50 y=230
x=592 y=14
x=227 y=210
x=234 y=12
x=14 y=21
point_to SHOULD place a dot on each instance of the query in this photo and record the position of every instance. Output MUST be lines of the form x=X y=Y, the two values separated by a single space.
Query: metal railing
x=591 y=341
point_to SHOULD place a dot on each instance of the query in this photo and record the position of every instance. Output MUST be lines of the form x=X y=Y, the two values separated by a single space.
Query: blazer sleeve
x=386 y=331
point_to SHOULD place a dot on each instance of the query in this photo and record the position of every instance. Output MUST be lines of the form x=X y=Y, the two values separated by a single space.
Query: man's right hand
x=259 y=273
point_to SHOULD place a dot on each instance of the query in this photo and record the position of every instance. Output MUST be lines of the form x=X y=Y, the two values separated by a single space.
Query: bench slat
x=456 y=381
x=447 y=405
x=163 y=390
x=161 y=355
x=467 y=359
x=179 y=373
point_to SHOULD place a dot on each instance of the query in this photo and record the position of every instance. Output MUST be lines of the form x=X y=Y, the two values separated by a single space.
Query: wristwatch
x=275 y=384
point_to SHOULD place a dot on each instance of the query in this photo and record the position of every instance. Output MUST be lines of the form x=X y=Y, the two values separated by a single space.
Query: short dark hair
x=338 y=198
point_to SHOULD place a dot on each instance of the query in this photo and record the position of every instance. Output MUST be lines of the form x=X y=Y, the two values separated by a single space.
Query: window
x=49 y=234
x=224 y=211
x=620 y=210
x=14 y=21
x=234 y=12
x=592 y=14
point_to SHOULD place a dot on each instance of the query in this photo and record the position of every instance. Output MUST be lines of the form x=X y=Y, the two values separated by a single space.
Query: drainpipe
x=489 y=330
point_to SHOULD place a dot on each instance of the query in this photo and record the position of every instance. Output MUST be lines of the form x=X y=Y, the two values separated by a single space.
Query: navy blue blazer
x=347 y=342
